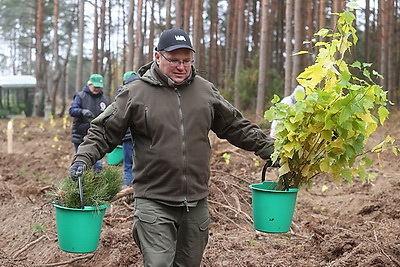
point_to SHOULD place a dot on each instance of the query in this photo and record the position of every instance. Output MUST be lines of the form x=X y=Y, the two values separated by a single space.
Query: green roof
x=17 y=81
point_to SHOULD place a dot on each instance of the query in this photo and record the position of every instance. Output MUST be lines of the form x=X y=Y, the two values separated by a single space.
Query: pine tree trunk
x=81 y=30
x=289 y=47
x=262 y=69
x=131 y=43
x=40 y=62
x=139 y=36
x=95 y=48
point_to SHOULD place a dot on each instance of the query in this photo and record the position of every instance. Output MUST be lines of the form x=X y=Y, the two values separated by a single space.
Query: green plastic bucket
x=115 y=157
x=272 y=210
x=79 y=230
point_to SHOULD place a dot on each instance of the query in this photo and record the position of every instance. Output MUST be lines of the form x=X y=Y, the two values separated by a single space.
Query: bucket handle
x=284 y=177
x=79 y=172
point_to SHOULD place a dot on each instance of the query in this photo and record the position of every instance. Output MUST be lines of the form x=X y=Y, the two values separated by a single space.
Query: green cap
x=128 y=74
x=96 y=80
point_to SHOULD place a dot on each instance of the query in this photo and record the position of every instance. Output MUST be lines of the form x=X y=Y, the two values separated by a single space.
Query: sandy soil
x=345 y=225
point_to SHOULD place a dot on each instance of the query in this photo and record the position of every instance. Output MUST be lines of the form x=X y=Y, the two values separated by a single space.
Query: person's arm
x=230 y=124
x=76 y=107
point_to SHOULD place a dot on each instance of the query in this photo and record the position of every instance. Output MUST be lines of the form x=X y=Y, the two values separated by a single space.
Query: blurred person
x=128 y=144
x=170 y=111
x=288 y=100
x=86 y=105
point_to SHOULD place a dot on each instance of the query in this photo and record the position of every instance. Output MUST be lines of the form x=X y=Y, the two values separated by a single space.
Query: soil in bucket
x=79 y=230
x=272 y=209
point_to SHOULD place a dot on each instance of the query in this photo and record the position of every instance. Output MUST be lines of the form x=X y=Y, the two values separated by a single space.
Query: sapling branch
x=339 y=106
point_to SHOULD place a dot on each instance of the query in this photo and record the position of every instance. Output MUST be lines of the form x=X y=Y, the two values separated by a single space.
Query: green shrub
x=327 y=129
x=98 y=189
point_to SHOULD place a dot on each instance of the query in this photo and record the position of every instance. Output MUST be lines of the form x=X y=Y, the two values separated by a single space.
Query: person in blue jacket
x=128 y=144
x=87 y=105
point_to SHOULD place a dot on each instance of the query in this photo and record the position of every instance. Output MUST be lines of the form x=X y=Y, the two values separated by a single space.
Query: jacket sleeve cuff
x=265 y=152
x=83 y=159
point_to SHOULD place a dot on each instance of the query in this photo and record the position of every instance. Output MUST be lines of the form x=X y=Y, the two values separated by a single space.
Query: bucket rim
x=86 y=208
x=253 y=187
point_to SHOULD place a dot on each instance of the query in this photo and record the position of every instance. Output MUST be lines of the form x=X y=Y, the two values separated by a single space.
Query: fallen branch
x=226 y=150
x=127 y=206
x=232 y=209
x=228 y=219
x=236 y=198
x=120 y=219
x=234 y=176
x=66 y=262
x=123 y=193
x=28 y=245
x=46 y=188
x=223 y=195
x=374 y=243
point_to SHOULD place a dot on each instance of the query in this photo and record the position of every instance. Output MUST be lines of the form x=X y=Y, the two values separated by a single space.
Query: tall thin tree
x=299 y=33
x=288 y=47
x=130 y=34
x=103 y=30
x=40 y=62
x=239 y=51
x=151 y=32
x=56 y=67
x=81 y=31
x=139 y=36
x=262 y=69
x=95 y=48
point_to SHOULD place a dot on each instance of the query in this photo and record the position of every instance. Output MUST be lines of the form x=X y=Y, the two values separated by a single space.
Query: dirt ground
x=344 y=225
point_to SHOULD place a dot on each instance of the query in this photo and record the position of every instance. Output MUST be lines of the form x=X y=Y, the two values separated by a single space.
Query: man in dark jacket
x=170 y=111
x=87 y=105
x=127 y=143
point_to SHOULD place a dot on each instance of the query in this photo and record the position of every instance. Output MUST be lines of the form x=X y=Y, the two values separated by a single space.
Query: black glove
x=76 y=169
x=87 y=113
x=265 y=152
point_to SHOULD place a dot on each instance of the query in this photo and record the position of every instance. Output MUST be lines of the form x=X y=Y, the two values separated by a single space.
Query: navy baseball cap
x=174 y=39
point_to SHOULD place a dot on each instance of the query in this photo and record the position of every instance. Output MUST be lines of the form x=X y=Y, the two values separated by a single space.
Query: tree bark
x=139 y=36
x=197 y=33
x=262 y=69
x=239 y=51
x=299 y=33
x=214 y=59
x=40 y=62
x=168 y=24
x=81 y=31
x=101 y=53
x=151 y=33
x=187 y=9
x=322 y=16
x=384 y=29
x=288 y=47
x=56 y=64
x=131 y=43
x=367 y=31
x=95 y=49
x=179 y=14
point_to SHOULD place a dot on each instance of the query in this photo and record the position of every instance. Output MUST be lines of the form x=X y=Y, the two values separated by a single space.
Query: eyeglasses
x=176 y=62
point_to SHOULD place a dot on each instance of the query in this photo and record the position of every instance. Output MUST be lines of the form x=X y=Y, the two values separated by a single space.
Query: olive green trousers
x=169 y=235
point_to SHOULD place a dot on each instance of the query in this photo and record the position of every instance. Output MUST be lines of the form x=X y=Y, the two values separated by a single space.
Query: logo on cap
x=180 y=38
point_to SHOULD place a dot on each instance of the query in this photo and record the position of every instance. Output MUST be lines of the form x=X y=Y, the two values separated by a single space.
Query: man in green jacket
x=170 y=111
